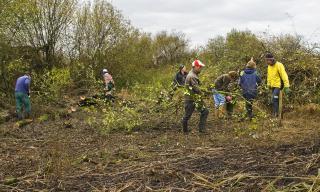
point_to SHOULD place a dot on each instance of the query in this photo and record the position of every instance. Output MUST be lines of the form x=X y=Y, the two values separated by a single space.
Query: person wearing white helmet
x=109 y=84
x=191 y=102
x=105 y=71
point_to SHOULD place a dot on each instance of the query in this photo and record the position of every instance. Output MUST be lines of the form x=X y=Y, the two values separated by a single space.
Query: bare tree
x=45 y=25
x=169 y=48
x=99 y=27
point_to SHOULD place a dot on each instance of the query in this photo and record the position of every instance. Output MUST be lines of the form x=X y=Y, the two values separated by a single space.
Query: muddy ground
x=58 y=156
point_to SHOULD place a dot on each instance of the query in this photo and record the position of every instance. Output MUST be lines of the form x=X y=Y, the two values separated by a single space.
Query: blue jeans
x=219 y=99
x=275 y=101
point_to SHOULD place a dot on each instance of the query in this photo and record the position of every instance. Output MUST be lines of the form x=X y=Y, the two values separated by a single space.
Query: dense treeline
x=66 y=43
x=53 y=37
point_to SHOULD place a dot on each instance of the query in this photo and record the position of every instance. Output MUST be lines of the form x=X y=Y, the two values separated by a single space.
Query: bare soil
x=67 y=155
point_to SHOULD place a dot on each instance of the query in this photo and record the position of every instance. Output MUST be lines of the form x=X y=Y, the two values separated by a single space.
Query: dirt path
x=52 y=157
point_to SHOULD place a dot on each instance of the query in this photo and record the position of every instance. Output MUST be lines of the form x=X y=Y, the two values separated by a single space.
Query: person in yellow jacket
x=277 y=80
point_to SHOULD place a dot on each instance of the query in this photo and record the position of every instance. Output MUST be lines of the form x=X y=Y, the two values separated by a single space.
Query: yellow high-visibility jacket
x=277 y=72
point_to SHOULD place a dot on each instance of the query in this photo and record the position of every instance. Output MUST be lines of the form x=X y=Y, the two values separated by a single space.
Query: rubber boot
x=19 y=116
x=229 y=109
x=203 y=120
x=185 y=126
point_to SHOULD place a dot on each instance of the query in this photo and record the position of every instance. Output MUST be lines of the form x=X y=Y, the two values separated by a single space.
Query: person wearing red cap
x=193 y=98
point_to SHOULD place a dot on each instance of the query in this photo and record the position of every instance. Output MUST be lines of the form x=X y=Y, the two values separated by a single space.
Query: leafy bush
x=84 y=76
x=51 y=84
x=17 y=67
x=125 y=119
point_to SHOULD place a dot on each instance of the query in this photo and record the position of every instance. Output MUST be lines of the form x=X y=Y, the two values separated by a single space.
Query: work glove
x=287 y=90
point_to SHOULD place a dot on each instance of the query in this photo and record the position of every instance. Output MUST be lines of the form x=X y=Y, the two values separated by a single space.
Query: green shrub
x=17 y=67
x=84 y=76
x=43 y=118
x=51 y=84
x=125 y=119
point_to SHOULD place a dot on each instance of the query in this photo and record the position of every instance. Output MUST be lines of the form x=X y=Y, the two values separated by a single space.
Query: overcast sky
x=201 y=20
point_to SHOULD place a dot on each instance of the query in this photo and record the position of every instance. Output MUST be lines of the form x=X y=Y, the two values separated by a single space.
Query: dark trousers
x=110 y=97
x=249 y=105
x=189 y=109
x=275 y=101
x=229 y=108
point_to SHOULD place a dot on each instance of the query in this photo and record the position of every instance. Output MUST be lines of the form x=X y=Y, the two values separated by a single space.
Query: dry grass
x=233 y=156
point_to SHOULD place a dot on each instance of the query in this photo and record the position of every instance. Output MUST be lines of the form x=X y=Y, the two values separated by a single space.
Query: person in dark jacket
x=249 y=82
x=180 y=78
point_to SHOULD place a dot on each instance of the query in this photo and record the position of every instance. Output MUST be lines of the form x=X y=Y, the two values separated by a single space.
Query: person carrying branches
x=193 y=98
x=277 y=80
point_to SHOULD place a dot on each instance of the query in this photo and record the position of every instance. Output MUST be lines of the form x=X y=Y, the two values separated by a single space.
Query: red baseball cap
x=197 y=63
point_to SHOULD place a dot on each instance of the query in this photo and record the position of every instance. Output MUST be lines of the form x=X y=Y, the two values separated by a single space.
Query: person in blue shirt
x=22 y=95
x=249 y=82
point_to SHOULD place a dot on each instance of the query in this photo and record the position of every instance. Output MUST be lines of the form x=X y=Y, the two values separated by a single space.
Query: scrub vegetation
x=79 y=142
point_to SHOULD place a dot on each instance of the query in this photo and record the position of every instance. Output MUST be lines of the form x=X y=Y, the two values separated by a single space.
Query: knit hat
x=251 y=64
x=269 y=56
x=197 y=63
